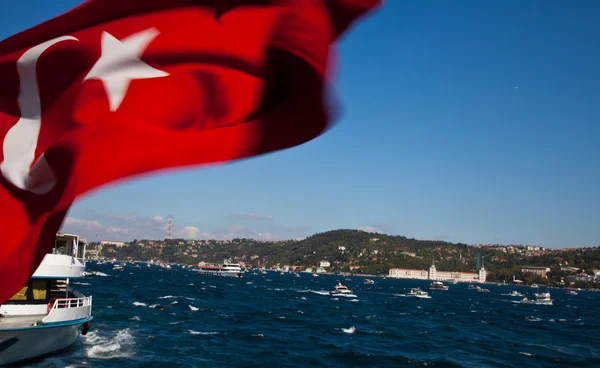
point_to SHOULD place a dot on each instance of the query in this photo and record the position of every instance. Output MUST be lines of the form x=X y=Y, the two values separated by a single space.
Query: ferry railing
x=69 y=308
x=72 y=302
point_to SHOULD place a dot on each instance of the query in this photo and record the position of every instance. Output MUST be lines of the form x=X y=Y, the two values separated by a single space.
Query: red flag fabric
x=113 y=89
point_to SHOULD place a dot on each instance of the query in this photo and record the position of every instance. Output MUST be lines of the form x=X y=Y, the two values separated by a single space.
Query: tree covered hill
x=354 y=251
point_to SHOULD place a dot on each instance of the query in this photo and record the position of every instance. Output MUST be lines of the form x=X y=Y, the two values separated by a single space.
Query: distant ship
x=437 y=285
x=340 y=290
x=226 y=269
x=418 y=293
x=47 y=314
x=540 y=299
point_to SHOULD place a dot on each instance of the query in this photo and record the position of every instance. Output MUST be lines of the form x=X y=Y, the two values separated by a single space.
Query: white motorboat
x=47 y=314
x=571 y=292
x=226 y=269
x=369 y=282
x=418 y=293
x=540 y=299
x=515 y=293
x=341 y=290
x=438 y=285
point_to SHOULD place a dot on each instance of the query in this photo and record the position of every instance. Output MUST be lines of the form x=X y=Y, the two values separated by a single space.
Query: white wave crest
x=109 y=347
x=349 y=330
x=192 y=332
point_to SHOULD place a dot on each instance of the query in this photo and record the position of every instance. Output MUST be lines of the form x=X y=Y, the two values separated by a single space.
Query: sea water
x=152 y=316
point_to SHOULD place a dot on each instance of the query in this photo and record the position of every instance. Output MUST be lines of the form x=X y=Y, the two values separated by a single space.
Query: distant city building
x=405 y=273
x=434 y=274
x=320 y=270
x=119 y=244
x=540 y=271
x=569 y=269
x=324 y=264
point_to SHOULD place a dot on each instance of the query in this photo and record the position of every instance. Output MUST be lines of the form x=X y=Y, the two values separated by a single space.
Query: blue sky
x=465 y=121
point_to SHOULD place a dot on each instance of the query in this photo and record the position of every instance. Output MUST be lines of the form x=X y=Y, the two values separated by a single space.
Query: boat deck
x=20 y=321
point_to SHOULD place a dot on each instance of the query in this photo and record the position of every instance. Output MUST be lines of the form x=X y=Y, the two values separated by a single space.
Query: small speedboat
x=515 y=293
x=340 y=290
x=571 y=292
x=418 y=293
x=540 y=299
x=369 y=282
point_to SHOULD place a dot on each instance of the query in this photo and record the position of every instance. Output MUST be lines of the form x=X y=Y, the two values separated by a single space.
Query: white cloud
x=82 y=224
x=295 y=229
x=188 y=232
x=266 y=236
x=128 y=227
x=193 y=232
x=250 y=216
x=370 y=229
x=117 y=230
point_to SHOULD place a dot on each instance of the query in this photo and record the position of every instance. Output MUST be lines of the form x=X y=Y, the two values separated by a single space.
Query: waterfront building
x=435 y=275
x=404 y=273
x=540 y=271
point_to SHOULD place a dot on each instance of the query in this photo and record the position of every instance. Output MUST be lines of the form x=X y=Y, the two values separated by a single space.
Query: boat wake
x=319 y=292
x=109 y=347
x=95 y=346
x=346 y=295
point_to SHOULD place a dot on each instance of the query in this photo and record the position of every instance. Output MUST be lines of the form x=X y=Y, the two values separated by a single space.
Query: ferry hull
x=221 y=273
x=18 y=345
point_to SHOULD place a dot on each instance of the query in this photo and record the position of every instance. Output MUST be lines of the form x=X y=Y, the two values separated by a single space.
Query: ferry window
x=80 y=250
x=21 y=294
x=60 y=247
x=40 y=289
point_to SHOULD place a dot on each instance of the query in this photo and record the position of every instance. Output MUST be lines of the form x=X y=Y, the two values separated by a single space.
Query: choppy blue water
x=149 y=317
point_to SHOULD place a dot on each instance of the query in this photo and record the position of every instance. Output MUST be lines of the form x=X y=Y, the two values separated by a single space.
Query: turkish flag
x=117 y=88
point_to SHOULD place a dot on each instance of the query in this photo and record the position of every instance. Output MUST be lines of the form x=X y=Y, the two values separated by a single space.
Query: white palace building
x=434 y=274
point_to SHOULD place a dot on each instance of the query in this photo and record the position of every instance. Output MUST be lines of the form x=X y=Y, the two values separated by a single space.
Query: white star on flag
x=120 y=63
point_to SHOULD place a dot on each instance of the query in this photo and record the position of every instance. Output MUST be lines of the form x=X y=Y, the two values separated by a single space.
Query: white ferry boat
x=438 y=285
x=47 y=314
x=226 y=269
x=540 y=299
x=418 y=293
x=341 y=290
